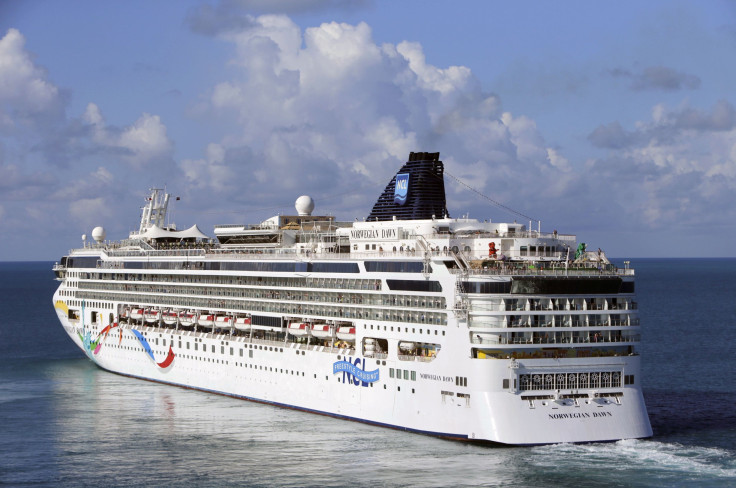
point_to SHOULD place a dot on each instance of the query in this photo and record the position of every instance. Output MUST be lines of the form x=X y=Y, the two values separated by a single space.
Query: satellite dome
x=98 y=234
x=304 y=205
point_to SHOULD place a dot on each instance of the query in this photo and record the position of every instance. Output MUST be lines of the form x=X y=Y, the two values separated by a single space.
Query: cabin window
x=523 y=251
x=391 y=372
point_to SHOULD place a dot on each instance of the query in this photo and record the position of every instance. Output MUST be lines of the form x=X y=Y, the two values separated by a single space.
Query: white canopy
x=156 y=232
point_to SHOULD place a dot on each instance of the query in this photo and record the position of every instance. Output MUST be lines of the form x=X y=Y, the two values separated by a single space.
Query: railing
x=562 y=341
x=411 y=357
x=247 y=340
x=557 y=325
x=556 y=271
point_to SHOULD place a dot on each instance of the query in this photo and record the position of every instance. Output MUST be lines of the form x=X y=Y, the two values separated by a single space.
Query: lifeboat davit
x=299 y=329
x=125 y=314
x=321 y=331
x=170 y=317
x=152 y=315
x=187 y=319
x=206 y=320
x=223 y=322
x=136 y=313
x=346 y=333
x=242 y=323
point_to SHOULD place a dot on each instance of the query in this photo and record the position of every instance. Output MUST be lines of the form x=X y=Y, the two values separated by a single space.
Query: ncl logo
x=401 y=190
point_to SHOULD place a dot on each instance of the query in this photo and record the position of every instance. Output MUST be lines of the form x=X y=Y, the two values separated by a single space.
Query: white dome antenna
x=304 y=205
x=98 y=234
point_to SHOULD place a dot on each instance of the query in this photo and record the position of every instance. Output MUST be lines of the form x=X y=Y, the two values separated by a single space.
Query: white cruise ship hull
x=301 y=377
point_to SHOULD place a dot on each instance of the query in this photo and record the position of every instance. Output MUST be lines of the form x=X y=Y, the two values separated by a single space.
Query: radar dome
x=304 y=205
x=98 y=234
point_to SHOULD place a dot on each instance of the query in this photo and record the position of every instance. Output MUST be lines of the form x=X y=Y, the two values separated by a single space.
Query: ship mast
x=154 y=213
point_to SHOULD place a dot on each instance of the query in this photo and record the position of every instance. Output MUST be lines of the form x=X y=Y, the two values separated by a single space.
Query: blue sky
x=614 y=121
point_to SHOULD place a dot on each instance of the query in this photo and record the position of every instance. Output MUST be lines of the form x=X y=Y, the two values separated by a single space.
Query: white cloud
x=327 y=109
x=23 y=85
x=146 y=139
x=445 y=81
x=143 y=142
x=679 y=168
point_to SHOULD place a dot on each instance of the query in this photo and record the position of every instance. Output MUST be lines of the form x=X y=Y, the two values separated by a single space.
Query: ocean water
x=64 y=422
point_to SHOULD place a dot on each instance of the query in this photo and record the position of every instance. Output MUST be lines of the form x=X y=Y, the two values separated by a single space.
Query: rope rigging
x=494 y=202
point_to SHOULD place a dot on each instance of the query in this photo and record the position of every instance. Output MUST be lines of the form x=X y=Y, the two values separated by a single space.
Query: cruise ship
x=465 y=329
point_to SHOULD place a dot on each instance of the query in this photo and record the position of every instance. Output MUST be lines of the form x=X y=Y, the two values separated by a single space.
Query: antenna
x=494 y=202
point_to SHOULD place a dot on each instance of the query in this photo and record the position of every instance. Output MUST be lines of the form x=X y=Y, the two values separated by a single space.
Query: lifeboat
x=299 y=329
x=152 y=315
x=187 y=319
x=369 y=347
x=346 y=333
x=170 y=317
x=407 y=346
x=136 y=313
x=223 y=322
x=242 y=323
x=206 y=320
x=321 y=331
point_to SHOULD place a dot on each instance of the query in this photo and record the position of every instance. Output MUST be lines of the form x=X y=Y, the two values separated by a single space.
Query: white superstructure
x=410 y=319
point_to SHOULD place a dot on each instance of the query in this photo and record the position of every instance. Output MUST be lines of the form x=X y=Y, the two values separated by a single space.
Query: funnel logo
x=401 y=191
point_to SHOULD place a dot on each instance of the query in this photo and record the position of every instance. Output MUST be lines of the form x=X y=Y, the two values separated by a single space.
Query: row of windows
x=414 y=285
x=608 y=285
x=292 y=282
x=275 y=307
x=561 y=381
x=257 y=266
x=395 y=267
x=407 y=374
x=537 y=250
x=554 y=320
x=554 y=352
x=413 y=301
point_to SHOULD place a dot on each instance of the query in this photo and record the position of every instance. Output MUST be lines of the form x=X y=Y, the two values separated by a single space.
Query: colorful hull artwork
x=147 y=347
x=93 y=347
